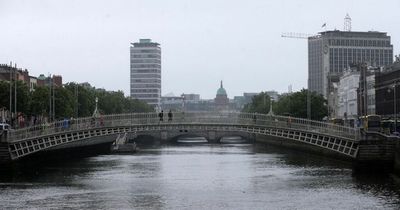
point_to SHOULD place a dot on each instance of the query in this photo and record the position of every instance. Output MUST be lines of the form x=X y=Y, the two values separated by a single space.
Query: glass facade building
x=146 y=72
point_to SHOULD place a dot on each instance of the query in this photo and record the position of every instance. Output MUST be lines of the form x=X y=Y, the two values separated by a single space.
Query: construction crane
x=297 y=35
x=302 y=36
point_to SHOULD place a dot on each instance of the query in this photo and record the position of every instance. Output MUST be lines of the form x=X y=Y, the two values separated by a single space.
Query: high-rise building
x=146 y=72
x=330 y=52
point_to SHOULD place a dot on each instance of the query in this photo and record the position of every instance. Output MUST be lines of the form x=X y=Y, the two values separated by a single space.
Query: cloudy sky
x=202 y=42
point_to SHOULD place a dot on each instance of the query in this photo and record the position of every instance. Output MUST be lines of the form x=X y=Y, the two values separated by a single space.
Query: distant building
x=174 y=103
x=330 y=52
x=191 y=97
x=7 y=72
x=221 y=99
x=248 y=97
x=145 y=73
x=273 y=95
x=42 y=80
x=32 y=83
x=347 y=106
x=86 y=85
x=57 y=80
x=385 y=82
x=239 y=102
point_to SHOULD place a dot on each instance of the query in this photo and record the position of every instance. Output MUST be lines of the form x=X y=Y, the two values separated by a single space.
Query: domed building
x=221 y=100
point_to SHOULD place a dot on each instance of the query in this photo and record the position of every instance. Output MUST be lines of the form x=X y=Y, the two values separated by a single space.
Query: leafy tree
x=40 y=101
x=64 y=103
x=134 y=105
x=295 y=105
x=23 y=96
x=260 y=104
x=83 y=99
x=69 y=100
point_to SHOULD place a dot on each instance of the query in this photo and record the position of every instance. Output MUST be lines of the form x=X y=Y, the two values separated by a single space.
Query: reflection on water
x=198 y=176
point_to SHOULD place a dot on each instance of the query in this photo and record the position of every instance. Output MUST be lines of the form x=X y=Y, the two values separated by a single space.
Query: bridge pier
x=164 y=136
x=4 y=153
x=377 y=152
x=212 y=137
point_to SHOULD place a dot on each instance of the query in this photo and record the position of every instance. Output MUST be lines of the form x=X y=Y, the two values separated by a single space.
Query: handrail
x=220 y=118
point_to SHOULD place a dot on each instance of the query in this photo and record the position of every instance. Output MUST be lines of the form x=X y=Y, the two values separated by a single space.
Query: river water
x=198 y=176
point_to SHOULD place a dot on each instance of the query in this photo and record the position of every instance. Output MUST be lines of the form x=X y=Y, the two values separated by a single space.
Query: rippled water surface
x=198 y=176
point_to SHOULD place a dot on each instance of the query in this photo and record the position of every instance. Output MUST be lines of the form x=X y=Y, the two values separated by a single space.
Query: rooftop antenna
x=347 y=23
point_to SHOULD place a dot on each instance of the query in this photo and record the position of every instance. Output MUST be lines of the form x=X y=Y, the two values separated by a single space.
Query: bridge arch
x=213 y=125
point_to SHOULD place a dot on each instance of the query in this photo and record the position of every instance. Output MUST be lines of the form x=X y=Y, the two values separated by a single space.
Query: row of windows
x=145 y=80
x=145 y=90
x=145 y=56
x=359 y=43
x=137 y=51
x=157 y=76
x=145 y=66
x=342 y=57
x=146 y=61
x=146 y=71
x=145 y=95
x=141 y=85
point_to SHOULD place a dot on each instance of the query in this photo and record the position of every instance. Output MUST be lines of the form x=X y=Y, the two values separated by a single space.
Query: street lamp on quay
x=394 y=86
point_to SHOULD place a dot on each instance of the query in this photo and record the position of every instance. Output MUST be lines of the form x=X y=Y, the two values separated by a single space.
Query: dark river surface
x=198 y=176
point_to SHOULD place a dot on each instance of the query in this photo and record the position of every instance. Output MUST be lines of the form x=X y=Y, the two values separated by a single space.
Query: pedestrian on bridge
x=161 y=115
x=169 y=116
x=289 y=121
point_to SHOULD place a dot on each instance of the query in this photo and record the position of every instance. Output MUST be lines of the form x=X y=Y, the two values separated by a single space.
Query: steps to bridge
x=4 y=152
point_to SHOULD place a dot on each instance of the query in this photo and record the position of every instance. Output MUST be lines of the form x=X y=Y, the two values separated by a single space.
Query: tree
x=295 y=105
x=40 y=101
x=84 y=101
x=23 y=96
x=260 y=104
x=64 y=103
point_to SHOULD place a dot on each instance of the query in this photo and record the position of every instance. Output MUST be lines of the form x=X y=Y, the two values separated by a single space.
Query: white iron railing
x=206 y=118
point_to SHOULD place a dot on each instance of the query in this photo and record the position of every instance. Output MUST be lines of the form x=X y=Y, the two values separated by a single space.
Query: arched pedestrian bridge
x=212 y=125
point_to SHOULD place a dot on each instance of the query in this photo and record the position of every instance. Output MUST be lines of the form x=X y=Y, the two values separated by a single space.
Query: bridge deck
x=340 y=139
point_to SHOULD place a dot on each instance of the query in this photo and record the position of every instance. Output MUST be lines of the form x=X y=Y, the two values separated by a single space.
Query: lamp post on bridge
x=271 y=113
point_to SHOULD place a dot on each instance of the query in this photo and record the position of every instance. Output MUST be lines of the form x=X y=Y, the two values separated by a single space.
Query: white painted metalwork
x=28 y=140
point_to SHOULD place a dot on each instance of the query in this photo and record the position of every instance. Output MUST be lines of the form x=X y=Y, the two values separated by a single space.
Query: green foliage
x=70 y=100
x=23 y=96
x=260 y=104
x=64 y=103
x=294 y=104
x=40 y=101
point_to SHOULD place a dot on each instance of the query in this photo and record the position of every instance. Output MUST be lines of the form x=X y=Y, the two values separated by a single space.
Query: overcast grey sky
x=202 y=42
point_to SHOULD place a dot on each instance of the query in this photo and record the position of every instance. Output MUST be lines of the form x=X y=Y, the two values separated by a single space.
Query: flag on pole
x=323 y=25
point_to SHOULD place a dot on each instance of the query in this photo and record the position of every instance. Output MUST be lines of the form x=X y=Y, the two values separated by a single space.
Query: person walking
x=169 y=116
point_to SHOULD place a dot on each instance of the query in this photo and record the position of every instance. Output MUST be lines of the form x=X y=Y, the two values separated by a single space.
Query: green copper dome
x=221 y=90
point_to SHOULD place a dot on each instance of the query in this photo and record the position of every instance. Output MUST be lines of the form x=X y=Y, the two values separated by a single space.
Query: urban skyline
x=89 y=46
x=226 y=104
